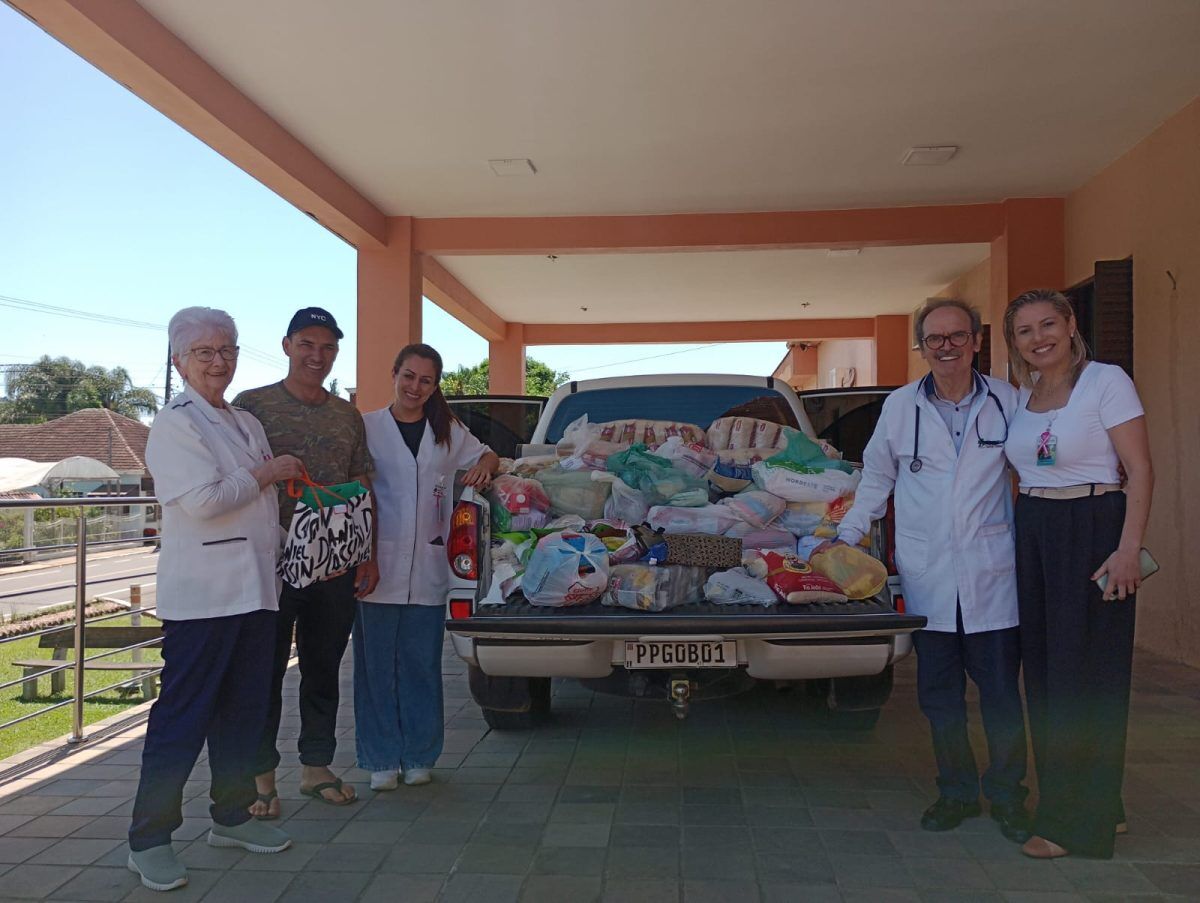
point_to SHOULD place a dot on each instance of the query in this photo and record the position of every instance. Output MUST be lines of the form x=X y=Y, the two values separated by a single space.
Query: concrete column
x=389 y=311
x=891 y=350
x=1029 y=253
x=506 y=362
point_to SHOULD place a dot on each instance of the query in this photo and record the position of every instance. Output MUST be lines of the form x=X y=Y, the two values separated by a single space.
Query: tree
x=52 y=387
x=539 y=379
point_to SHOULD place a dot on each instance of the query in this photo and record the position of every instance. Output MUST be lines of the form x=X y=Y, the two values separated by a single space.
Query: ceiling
x=649 y=288
x=635 y=107
x=629 y=107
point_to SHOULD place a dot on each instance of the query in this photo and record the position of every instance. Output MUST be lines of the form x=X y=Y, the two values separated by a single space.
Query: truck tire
x=510 y=703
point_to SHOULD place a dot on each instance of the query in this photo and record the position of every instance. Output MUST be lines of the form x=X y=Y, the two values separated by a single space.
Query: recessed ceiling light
x=844 y=252
x=513 y=166
x=934 y=155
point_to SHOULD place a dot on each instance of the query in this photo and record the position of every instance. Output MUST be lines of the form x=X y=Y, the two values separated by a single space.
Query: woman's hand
x=284 y=467
x=1124 y=570
x=366 y=578
x=478 y=477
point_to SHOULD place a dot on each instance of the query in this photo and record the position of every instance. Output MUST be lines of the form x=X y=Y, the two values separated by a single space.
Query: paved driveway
x=748 y=799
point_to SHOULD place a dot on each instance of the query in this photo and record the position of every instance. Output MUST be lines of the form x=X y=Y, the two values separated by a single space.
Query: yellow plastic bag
x=859 y=575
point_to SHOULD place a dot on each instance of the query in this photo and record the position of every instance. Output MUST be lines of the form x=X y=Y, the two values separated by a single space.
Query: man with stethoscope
x=939 y=448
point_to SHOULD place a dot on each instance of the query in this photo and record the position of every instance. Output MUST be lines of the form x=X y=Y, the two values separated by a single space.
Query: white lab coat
x=414 y=499
x=954 y=518
x=221 y=536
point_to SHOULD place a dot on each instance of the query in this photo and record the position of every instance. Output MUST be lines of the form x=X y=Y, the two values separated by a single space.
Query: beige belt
x=1070 y=492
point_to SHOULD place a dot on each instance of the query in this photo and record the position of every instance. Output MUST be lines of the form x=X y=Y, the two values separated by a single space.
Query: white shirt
x=954 y=528
x=415 y=498
x=221 y=537
x=1103 y=397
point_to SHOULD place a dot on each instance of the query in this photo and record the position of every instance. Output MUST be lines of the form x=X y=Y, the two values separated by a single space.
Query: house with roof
x=108 y=437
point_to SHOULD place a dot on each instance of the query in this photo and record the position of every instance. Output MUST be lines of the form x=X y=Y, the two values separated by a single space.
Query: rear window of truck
x=700 y=405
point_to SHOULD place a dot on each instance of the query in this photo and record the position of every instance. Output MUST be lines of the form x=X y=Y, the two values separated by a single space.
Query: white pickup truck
x=844 y=652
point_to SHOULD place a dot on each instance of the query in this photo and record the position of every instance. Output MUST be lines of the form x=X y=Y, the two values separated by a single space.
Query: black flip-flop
x=267 y=798
x=317 y=792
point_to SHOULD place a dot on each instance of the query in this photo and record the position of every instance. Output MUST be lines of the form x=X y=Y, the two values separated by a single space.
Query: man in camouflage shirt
x=326 y=433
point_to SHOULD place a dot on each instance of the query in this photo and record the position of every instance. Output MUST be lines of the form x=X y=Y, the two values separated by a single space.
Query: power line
x=72 y=313
x=651 y=357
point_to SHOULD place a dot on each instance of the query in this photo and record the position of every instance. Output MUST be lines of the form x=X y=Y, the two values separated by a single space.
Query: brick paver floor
x=750 y=798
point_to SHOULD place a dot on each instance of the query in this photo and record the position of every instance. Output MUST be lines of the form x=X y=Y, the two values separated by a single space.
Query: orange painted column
x=891 y=350
x=1029 y=253
x=389 y=311
x=506 y=362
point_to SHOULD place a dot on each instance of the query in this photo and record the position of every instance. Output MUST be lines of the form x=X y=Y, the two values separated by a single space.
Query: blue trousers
x=992 y=658
x=398 y=685
x=215 y=680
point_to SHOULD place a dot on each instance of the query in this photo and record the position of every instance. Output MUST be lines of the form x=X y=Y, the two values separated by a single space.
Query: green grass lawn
x=54 y=724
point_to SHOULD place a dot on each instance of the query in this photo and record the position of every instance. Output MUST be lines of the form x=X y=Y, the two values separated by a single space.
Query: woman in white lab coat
x=418 y=445
x=215 y=477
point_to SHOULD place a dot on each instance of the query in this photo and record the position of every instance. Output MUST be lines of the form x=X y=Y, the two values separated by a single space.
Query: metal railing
x=80 y=658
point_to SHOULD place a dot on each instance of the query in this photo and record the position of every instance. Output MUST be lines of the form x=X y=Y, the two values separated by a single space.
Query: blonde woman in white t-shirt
x=1078 y=423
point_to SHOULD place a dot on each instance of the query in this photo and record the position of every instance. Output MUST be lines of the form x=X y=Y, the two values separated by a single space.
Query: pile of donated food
x=652 y=515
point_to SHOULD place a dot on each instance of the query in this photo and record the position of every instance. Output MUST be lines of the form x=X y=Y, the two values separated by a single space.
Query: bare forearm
x=1138 y=494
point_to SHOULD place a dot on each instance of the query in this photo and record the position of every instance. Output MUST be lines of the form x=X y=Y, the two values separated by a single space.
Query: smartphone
x=1149 y=566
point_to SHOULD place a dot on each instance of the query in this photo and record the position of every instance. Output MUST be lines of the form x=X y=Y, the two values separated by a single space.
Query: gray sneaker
x=252 y=835
x=158 y=868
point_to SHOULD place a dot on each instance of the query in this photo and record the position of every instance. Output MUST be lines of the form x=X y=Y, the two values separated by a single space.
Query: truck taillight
x=459 y=609
x=898 y=603
x=463 y=547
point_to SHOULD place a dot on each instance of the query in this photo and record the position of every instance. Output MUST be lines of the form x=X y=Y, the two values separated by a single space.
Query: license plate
x=680 y=654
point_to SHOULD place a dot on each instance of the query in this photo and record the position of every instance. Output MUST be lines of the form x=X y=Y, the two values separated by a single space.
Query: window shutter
x=1112 y=313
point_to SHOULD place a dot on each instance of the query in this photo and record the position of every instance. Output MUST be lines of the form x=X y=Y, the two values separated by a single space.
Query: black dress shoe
x=1015 y=823
x=947 y=813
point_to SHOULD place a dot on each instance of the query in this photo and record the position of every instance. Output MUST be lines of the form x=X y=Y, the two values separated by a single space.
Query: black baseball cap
x=313 y=316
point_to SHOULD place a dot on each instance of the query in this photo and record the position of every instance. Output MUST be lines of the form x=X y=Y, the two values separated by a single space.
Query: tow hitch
x=680 y=696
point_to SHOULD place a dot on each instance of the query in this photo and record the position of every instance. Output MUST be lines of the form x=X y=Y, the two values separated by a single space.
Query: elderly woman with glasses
x=214 y=475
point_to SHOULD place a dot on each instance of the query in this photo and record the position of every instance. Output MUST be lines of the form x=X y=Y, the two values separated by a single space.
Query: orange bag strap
x=295 y=489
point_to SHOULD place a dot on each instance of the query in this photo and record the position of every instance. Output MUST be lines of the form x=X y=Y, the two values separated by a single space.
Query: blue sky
x=108 y=207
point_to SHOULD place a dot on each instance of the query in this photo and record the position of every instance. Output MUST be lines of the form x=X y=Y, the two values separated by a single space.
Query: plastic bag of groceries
x=625 y=503
x=566 y=569
x=517 y=503
x=859 y=574
x=690 y=457
x=736 y=587
x=803 y=473
x=765 y=538
x=708 y=519
x=647 y=587
x=755 y=507
x=794 y=581
x=574 y=492
x=662 y=482
x=618 y=538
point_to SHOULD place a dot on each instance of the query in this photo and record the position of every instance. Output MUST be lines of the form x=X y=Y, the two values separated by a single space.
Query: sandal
x=266 y=799
x=317 y=792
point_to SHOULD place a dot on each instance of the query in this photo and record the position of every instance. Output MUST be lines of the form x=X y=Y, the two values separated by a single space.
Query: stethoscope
x=916 y=464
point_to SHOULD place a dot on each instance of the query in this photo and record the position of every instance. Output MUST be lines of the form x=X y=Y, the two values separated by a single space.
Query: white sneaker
x=385 y=780
x=416 y=776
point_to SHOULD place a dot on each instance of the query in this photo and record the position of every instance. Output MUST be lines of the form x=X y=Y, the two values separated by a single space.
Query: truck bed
x=519 y=617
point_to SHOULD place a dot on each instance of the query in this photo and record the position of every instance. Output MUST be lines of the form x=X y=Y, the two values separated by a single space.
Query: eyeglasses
x=207 y=355
x=936 y=342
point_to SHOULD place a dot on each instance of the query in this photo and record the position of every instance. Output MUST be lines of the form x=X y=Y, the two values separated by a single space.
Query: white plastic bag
x=736 y=587
x=625 y=504
x=755 y=507
x=647 y=587
x=692 y=458
x=794 y=486
x=708 y=519
x=566 y=569
x=574 y=492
